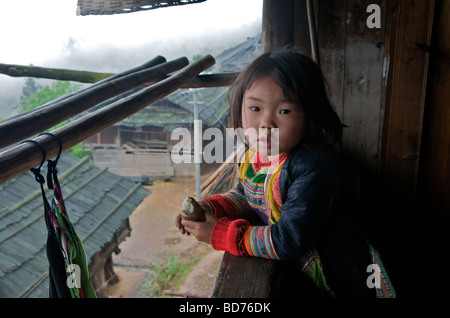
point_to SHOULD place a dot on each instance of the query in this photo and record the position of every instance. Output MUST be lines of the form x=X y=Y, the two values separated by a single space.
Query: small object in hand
x=192 y=211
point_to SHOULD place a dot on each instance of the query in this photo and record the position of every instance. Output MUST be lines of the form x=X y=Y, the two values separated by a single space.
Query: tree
x=42 y=95
x=30 y=88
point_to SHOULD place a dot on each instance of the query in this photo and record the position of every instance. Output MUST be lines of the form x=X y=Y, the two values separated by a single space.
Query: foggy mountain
x=113 y=58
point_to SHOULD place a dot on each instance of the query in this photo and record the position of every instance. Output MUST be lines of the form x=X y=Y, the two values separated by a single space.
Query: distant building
x=141 y=145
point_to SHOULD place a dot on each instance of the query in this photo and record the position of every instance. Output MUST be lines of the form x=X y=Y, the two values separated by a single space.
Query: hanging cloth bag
x=68 y=269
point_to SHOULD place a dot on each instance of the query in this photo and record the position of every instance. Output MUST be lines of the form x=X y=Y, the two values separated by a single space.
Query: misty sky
x=49 y=33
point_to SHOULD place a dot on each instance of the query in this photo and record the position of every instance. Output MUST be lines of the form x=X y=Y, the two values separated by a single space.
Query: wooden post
x=434 y=174
x=406 y=95
x=278 y=24
x=285 y=23
x=23 y=157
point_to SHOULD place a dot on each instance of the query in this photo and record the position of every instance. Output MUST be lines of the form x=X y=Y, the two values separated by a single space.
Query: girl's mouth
x=265 y=141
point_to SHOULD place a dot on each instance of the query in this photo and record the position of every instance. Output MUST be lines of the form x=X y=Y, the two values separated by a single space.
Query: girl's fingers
x=180 y=226
x=187 y=225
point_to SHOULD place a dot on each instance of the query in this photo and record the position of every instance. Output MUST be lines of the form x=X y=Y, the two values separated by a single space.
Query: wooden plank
x=331 y=37
x=363 y=71
x=434 y=173
x=243 y=277
x=408 y=72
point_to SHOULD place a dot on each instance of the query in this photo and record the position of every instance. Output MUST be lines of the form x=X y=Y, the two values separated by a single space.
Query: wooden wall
x=434 y=169
x=352 y=58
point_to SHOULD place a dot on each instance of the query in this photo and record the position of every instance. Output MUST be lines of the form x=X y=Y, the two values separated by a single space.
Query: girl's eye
x=255 y=109
x=285 y=111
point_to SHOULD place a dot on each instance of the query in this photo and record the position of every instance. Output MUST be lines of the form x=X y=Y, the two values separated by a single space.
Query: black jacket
x=312 y=185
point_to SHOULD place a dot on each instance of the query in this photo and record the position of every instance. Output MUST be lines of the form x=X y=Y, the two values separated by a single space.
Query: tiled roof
x=97 y=201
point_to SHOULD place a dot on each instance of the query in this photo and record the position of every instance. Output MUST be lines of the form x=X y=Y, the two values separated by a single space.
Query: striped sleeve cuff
x=258 y=242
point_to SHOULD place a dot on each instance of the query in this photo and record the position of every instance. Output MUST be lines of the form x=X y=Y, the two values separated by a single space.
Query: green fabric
x=76 y=255
x=313 y=269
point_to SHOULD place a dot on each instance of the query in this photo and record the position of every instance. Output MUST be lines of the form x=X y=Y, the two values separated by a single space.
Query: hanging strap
x=37 y=174
x=68 y=241
x=52 y=171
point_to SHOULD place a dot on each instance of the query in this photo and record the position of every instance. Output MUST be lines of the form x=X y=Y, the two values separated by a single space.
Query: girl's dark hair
x=296 y=74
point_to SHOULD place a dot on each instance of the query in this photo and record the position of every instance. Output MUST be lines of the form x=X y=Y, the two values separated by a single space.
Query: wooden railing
x=253 y=277
x=244 y=277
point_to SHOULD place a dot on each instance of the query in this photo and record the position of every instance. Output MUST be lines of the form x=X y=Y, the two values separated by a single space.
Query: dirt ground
x=154 y=238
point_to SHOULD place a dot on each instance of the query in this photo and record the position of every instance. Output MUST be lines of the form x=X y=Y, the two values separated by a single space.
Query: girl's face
x=264 y=108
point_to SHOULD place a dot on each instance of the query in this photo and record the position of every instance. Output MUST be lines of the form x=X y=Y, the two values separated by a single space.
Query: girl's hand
x=180 y=226
x=201 y=230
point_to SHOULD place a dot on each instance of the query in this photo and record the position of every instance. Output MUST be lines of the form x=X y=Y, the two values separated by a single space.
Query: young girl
x=296 y=192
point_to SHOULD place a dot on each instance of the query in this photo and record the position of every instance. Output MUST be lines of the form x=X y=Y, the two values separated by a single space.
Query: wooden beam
x=52 y=73
x=23 y=157
x=406 y=95
x=42 y=118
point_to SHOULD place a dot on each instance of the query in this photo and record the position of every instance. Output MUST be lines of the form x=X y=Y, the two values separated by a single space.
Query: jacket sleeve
x=232 y=204
x=232 y=211
x=304 y=216
x=308 y=203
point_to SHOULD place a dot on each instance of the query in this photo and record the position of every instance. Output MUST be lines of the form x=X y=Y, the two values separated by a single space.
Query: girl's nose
x=267 y=121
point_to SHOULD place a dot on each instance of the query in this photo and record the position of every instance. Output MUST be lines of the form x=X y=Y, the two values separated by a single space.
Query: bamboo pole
x=207 y=80
x=155 y=61
x=52 y=73
x=43 y=118
x=23 y=157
